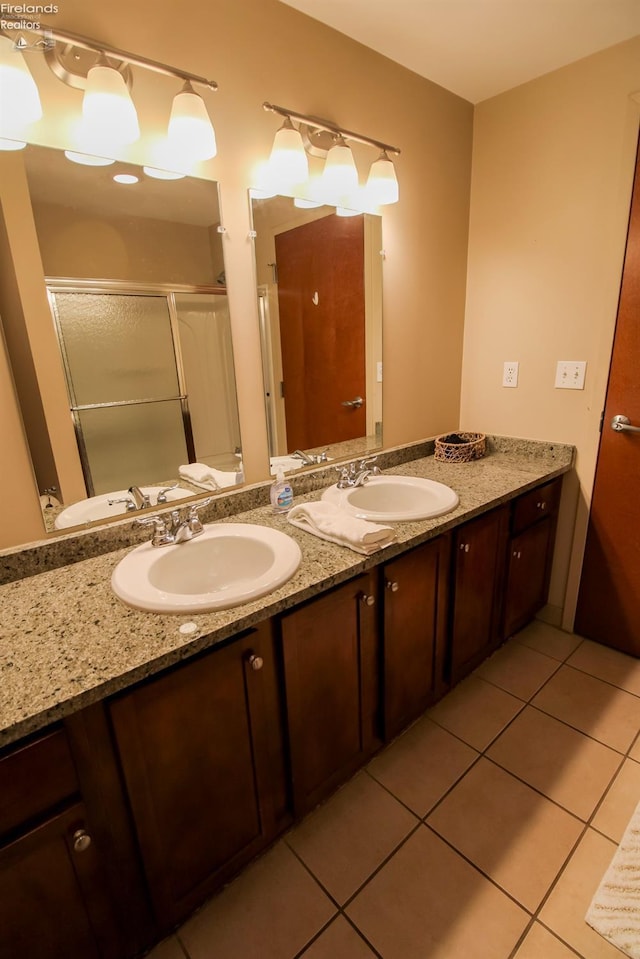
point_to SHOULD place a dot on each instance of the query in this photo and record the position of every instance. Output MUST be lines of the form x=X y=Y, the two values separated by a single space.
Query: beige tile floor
x=481 y=833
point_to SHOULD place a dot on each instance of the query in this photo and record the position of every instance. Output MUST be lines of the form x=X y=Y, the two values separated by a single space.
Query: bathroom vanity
x=141 y=770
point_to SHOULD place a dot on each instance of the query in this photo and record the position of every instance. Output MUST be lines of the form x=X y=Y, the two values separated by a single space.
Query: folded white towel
x=285 y=463
x=206 y=477
x=333 y=524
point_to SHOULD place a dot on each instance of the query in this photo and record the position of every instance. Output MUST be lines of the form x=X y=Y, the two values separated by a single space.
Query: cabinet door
x=330 y=654
x=52 y=900
x=415 y=595
x=194 y=752
x=478 y=558
x=527 y=576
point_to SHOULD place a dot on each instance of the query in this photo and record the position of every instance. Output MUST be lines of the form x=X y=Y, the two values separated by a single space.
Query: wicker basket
x=460 y=447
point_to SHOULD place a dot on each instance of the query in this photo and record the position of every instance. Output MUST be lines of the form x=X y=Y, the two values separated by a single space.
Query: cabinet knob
x=256 y=662
x=464 y=547
x=394 y=587
x=81 y=840
x=541 y=505
x=517 y=554
x=367 y=599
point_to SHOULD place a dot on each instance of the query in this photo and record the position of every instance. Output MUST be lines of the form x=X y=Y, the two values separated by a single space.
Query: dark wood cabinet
x=477 y=580
x=195 y=747
x=54 y=893
x=533 y=526
x=118 y=822
x=330 y=653
x=414 y=594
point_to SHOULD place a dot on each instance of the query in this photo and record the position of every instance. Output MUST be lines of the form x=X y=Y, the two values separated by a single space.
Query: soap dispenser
x=281 y=493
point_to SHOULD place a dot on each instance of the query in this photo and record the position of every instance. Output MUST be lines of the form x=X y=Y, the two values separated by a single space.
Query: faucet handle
x=366 y=462
x=161 y=499
x=162 y=533
x=131 y=506
x=194 y=521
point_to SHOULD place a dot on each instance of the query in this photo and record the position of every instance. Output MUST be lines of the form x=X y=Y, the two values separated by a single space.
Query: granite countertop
x=67 y=641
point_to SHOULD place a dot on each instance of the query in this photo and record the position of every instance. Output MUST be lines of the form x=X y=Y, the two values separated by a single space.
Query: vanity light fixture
x=190 y=130
x=12 y=144
x=109 y=118
x=18 y=93
x=382 y=185
x=108 y=114
x=288 y=166
x=87 y=159
x=340 y=174
x=157 y=174
x=339 y=179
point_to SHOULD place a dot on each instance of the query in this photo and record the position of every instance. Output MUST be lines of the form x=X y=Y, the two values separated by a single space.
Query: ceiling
x=479 y=48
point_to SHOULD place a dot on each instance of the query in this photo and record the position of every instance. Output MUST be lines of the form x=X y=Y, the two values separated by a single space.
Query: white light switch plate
x=570 y=374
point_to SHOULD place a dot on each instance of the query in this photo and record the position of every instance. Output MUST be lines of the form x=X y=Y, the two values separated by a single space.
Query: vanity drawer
x=34 y=778
x=535 y=505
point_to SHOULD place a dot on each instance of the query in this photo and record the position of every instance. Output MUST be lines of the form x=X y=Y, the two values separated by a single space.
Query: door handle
x=621 y=424
x=355 y=403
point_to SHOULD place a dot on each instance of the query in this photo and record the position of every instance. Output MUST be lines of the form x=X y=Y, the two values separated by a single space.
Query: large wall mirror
x=135 y=284
x=319 y=280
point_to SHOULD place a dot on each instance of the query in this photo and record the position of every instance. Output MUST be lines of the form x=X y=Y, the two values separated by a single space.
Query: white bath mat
x=615 y=909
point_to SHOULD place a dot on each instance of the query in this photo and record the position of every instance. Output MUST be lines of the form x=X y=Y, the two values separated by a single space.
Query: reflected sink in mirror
x=99 y=507
x=226 y=565
x=389 y=498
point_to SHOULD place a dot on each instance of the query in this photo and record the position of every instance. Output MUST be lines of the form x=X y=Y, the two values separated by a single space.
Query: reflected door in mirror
x=123 y=385
x=321 y=302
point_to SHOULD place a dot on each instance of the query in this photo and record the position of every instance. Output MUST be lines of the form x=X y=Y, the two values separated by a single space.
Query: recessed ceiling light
x=126 y=178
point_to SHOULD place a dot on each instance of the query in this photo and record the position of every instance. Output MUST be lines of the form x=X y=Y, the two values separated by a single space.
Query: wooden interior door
x=609 y=599
x=322 y=330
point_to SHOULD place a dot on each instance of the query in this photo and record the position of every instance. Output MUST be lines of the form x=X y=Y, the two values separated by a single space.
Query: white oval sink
x=392 y=499
x=97 y=507
x=228 y=564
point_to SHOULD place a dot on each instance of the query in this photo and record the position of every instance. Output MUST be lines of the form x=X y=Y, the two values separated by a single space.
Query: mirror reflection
x=135 y=279
x=320 y=295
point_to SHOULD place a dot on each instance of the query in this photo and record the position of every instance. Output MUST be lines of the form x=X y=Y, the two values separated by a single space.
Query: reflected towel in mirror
x=333 y=524
x=206 y=477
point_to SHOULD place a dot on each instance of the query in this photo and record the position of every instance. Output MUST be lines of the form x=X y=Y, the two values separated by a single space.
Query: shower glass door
x=126 y=397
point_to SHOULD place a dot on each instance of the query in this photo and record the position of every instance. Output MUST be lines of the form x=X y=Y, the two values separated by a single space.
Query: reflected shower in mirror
x=320 y=297
x=136 y=284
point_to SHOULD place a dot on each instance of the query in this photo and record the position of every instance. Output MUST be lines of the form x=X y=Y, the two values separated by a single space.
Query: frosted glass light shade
x=382 y=185
x=288 y=164
x=12 y=144
x=18 y=91
x=108 y=113
x=340 y=174
x=190 y=129
x=87 y=159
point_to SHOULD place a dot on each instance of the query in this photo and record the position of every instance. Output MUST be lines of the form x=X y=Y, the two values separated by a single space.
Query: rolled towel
x=206 y=477
x=333 y=524
x=286 y=463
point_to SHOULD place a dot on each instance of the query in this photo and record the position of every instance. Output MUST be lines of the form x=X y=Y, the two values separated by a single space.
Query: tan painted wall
x=552 y=168
x=137 y=249
x=262 y=50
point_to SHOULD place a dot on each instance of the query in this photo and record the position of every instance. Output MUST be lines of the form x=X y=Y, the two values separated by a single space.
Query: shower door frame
x=105 y=287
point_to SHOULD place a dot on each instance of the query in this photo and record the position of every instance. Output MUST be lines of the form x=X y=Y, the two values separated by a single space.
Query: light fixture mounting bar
x=329 y=127
x=86 y=43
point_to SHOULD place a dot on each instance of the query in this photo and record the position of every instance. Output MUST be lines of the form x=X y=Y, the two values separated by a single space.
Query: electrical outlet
x=570 y=374
x=510 y=373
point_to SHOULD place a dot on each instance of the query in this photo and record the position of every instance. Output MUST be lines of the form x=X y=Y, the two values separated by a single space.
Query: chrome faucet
x=178 y=526
x=356 y=474
x=141 y=499
x=311 y=459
